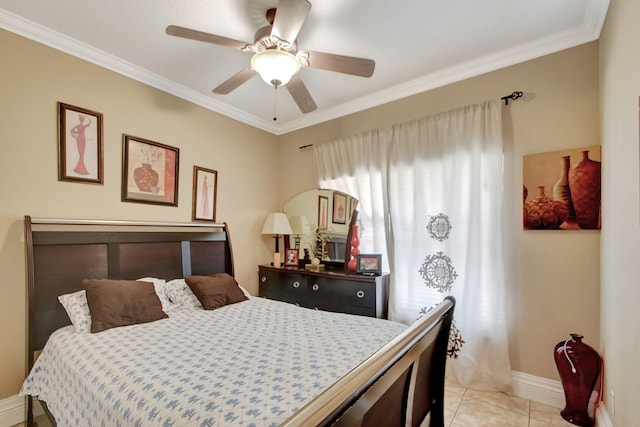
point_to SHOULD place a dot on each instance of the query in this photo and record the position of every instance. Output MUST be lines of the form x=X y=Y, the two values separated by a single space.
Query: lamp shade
x=277 y=223
x=276 y=67
x=299 y=225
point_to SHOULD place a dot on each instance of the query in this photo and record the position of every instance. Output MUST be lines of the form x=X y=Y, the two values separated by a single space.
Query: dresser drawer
x=339 y=307
x=328 y=291
x=342 y=292
x=298 y=299
x=275 y=282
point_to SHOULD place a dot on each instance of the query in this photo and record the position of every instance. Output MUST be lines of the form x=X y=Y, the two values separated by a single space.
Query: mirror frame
x=332 y=209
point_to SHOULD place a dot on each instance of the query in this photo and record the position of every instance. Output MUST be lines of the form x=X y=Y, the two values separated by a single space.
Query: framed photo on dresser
x=368 y=264
x=291 y=257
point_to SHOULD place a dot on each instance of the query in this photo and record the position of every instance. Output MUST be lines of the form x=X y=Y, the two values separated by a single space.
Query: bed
x=249 y=362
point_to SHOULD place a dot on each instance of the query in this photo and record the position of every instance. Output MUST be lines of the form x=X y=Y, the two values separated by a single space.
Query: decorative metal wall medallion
x=439 y=227
x=438 y=272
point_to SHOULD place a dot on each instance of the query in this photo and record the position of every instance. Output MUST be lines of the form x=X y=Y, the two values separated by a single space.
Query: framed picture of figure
x=205 y=189
x=79 y=145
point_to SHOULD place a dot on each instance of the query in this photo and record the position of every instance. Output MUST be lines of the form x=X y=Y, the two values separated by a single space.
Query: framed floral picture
x=205 y=189
x=79 y=145
x=149 y=172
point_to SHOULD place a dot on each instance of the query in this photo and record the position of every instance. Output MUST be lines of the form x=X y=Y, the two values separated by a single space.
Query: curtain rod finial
x=515 y=95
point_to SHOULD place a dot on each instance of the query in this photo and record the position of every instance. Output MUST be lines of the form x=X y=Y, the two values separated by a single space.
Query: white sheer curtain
x=353 y=165
x=437 y=185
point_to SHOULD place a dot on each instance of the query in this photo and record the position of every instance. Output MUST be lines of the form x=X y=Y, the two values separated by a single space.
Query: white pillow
x=159 y=286
x=244 y=291
x=181 y=295
x=77 y=309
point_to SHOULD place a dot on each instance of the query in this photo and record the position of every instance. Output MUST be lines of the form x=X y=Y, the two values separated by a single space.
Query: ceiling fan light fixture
x=275 y=66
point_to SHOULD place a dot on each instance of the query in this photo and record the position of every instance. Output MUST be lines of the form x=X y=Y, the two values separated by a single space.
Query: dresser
x=330 y=290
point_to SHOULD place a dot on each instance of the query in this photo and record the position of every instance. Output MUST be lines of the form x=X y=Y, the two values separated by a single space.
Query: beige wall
x=620 y=87
x=555 y=286
x=33 y=78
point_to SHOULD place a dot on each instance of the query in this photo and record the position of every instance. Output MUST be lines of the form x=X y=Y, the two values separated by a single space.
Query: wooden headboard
x=61 y=253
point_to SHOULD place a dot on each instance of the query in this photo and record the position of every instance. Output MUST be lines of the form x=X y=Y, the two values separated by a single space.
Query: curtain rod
x=514 y=95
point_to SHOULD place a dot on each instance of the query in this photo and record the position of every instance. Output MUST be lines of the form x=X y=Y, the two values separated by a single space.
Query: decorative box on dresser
x=329 y=290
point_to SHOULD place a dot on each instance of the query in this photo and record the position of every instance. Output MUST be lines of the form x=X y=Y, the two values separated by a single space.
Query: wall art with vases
x=562 y=190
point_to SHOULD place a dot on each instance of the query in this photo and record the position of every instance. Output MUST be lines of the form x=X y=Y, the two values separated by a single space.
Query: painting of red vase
x=562 y=190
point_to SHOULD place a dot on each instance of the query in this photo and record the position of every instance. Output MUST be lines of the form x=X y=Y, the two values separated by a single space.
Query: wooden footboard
x=400 y=385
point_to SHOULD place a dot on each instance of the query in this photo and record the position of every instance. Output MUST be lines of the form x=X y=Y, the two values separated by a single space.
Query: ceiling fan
x=276 y=56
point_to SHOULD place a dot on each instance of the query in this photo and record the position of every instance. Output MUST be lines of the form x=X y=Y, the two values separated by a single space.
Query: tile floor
x=472 y=408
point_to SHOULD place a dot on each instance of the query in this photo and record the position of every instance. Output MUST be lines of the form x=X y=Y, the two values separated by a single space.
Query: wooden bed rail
x=413 y=363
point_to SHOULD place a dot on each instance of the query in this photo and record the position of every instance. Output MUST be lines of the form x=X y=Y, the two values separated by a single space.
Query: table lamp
x=277 y=224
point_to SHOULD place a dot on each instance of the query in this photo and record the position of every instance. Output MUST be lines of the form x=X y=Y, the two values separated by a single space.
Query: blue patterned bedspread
x=253 y=363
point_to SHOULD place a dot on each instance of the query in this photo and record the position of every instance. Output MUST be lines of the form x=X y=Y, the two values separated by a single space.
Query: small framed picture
x=353 y=204
x=323 y=212
x=79 y=145
x=149 y=172
x=291 y=258
x=339 y=208
x=368 y=264
x=205 y=189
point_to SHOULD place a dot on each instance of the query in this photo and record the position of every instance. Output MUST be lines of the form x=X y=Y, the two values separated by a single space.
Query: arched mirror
x=320 y=222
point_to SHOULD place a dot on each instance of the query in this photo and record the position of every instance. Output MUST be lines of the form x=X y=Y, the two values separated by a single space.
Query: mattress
x=253 y=363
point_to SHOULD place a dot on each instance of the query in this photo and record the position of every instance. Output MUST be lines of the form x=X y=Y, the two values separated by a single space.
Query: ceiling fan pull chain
x=275 y=102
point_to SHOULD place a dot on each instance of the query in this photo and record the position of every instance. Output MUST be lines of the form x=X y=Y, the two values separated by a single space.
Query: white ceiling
x=417 y=45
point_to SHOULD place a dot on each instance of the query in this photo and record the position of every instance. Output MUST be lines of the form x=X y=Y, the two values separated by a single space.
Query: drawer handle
x=315 y=287
x=263 y=279
x=296 y=284
x=360 y=294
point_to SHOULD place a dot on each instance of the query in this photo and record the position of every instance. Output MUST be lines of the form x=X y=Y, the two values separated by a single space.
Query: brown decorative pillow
x=114 y=303
x=216 y=290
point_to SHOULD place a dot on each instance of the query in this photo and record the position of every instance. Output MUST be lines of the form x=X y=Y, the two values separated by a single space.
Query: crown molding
x=590 y=30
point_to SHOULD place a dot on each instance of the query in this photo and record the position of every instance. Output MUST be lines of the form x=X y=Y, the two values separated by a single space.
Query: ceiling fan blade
x=187 y=33
x=301 y=95
x=290 y=16
x=361 y=67
x=235 y=81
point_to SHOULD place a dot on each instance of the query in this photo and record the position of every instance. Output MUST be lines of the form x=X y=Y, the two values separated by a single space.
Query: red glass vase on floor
x=355 y=248
x=579 y=368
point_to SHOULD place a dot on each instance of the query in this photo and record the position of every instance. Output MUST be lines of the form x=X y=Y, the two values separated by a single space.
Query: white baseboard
x=551 y=393
x=12 y=410
x=602 y=416
x=538 y=389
